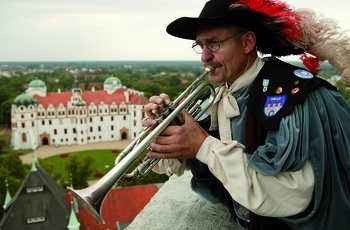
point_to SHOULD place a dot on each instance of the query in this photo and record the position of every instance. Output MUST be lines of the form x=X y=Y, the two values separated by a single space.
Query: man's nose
x=207 y=55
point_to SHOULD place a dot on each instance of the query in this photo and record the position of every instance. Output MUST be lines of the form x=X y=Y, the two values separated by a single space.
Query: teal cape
x=316 y=127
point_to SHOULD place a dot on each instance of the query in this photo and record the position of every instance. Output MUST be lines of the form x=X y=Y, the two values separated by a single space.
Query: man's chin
x=215 y=79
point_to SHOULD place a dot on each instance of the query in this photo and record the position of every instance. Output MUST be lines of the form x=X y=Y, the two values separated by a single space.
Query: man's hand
x=179 y=142
x=175 y=142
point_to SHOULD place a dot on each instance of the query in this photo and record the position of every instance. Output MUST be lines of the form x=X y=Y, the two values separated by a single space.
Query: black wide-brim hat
x=270 y=39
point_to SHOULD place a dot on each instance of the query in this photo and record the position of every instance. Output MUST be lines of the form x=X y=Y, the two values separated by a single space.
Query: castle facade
x=78 y=117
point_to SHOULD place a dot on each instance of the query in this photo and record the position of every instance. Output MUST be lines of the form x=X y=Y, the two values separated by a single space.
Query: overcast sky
x=89 y=30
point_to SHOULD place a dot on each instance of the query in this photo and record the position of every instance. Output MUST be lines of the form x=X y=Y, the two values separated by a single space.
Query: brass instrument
x=92 y=197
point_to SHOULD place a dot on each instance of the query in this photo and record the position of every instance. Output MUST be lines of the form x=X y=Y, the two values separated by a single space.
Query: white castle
x=78 y=117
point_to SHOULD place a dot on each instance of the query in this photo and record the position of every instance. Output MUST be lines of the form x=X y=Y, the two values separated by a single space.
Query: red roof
x=121 y=205
x=96 y=97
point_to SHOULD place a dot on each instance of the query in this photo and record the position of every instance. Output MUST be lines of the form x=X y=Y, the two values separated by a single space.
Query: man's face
x=230 y=61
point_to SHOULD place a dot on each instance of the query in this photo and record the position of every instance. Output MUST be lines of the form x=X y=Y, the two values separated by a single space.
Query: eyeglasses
x=212 y=46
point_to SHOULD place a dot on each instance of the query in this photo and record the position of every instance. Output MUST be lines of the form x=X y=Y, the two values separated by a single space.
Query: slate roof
x=38 y=204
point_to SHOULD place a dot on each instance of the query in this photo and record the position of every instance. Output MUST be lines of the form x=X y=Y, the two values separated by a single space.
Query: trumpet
x=92 y=197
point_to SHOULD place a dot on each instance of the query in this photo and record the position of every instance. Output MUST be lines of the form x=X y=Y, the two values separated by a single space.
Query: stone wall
x=176 y=206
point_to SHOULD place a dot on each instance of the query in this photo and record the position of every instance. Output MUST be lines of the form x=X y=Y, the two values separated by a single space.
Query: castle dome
x=37 y=83
x=24 y=99
x=80 y=104
x=112 y=81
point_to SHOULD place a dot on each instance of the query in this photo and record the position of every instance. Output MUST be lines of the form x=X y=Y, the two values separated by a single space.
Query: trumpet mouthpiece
x=209 y=69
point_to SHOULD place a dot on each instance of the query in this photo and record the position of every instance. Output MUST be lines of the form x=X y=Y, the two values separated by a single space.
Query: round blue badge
x=303 y=74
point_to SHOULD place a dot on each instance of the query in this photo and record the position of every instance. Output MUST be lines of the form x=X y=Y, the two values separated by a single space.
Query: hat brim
x=267 y=42
x=186 y=27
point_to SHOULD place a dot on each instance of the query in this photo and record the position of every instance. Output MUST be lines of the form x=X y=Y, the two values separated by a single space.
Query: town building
x=78 y=117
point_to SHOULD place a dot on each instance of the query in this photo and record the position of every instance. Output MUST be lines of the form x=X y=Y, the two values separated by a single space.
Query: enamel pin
x=265 y=84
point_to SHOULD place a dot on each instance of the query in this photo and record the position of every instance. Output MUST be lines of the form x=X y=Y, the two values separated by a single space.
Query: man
x=281 y=156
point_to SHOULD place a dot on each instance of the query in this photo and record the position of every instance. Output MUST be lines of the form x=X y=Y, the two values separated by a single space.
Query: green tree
x=344 y=91
x=5 y=113
x=79 y=169
x=14 y=171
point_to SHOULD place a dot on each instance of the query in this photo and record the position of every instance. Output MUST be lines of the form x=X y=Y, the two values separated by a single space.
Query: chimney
x=126 y=95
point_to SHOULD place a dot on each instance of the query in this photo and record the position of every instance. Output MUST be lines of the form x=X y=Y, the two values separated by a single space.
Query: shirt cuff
x=211 y=145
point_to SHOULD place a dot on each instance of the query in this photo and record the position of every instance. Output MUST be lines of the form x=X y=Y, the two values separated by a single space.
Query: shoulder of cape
x=278 y=87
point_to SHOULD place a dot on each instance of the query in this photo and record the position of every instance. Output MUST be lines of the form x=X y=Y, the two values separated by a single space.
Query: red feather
x=279 y=14
x=311 y=62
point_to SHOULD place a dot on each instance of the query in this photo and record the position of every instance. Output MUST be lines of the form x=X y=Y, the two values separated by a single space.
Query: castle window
x=24 y=137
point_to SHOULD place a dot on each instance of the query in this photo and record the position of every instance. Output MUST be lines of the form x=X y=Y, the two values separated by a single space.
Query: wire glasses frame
x=212 y=46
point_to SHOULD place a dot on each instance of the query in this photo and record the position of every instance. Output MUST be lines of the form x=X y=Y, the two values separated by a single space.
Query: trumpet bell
x=84 y=199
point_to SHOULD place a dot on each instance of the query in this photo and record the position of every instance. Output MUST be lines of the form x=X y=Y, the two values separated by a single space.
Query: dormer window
x=35 y=189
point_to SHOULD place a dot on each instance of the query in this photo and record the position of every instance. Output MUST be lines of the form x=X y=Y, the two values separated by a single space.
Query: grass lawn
x=102 y=158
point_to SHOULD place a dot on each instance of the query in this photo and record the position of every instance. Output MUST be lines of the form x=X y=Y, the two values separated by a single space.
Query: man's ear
x=249 y=42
